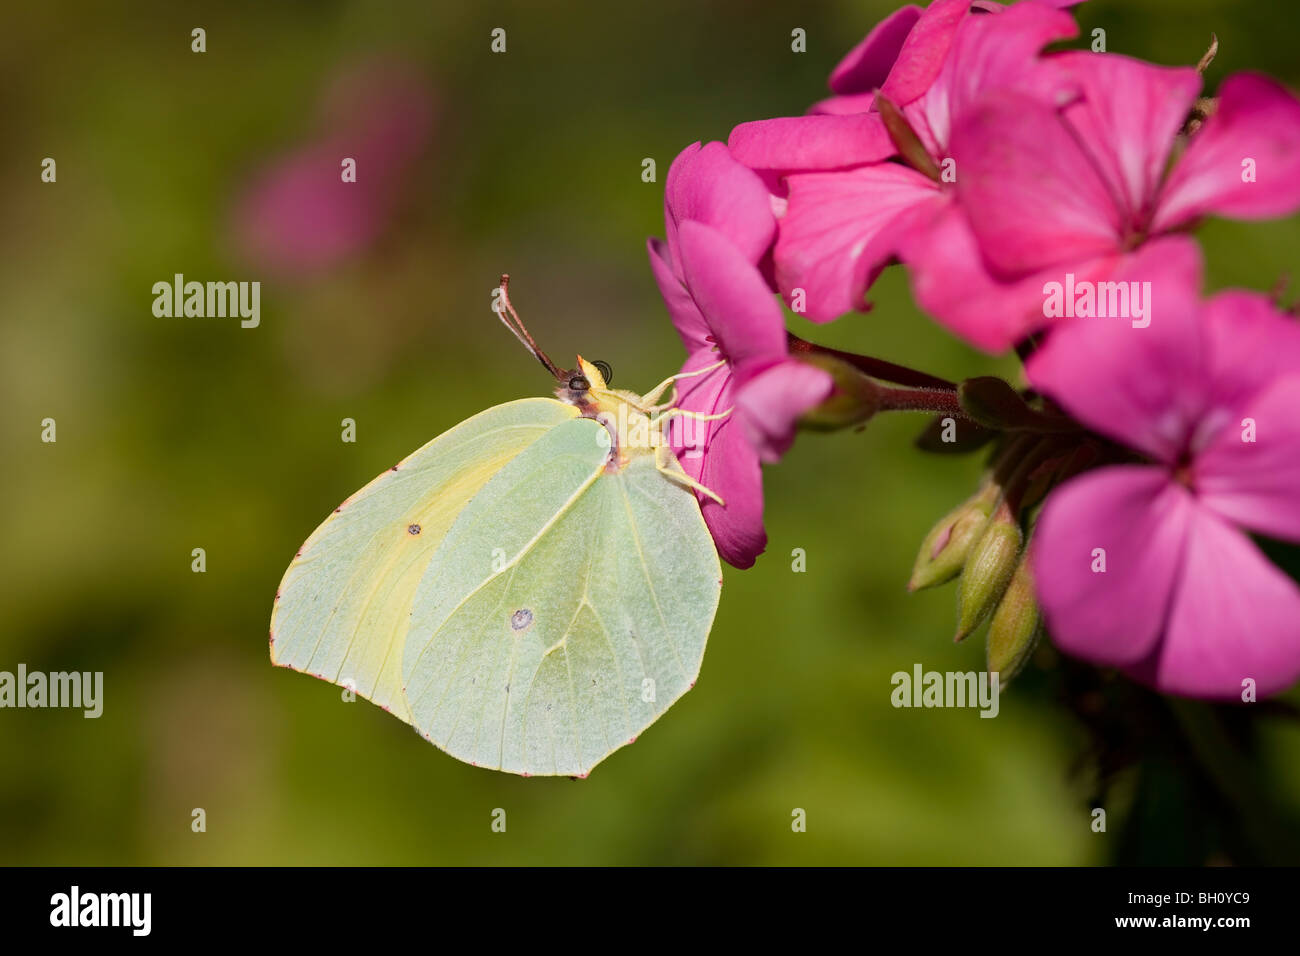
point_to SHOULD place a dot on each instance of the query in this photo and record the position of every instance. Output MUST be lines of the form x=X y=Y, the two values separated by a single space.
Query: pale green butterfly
x=530 y=590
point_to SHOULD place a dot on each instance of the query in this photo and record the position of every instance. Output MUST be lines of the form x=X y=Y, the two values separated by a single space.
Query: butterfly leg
x=651 y=397
x=668 y=413
x=650 y=407
x=667 y=464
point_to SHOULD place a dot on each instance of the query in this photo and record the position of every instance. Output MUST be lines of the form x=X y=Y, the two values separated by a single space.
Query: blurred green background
x=181 y=433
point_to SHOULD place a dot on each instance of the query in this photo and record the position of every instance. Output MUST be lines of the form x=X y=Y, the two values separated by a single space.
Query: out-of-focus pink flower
x=1148 y=567
x=298 y=215
x=719 y=226
x=1043 y=192
x=841 y=227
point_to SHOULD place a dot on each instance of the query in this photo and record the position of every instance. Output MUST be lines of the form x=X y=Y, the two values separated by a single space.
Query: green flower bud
x=1014 y=630
x=989 y=568
x=854 y=400
x=944 y=550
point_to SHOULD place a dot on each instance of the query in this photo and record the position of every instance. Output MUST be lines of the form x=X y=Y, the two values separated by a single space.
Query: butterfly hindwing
x=566 y=610
x=343 y=607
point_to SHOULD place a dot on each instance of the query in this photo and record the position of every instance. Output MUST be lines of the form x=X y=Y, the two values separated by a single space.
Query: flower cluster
x=1040 y=198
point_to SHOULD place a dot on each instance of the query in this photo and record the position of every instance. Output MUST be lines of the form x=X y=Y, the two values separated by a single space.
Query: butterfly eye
x=606 y=372
x=579 y=383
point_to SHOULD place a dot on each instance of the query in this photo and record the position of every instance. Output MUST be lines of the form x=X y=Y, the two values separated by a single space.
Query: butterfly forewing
x=343 y=607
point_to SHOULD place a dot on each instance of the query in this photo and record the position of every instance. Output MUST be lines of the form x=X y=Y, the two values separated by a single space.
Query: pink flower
x=1043 y=191
x=901 y=58
x=841 y=226
x=1148 y=566
x=299 y=215
x=719 y=225
x=869 y=65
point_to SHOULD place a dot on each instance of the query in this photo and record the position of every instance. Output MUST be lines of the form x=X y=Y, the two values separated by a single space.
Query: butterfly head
x=585 y=384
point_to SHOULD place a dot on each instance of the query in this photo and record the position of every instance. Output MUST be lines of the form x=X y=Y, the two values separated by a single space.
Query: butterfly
x=530 y=590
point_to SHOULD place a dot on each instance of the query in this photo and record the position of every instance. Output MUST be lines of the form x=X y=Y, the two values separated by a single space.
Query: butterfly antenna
x=521 y=333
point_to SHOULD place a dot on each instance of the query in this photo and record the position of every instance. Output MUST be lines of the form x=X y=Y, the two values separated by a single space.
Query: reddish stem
x=919 y=400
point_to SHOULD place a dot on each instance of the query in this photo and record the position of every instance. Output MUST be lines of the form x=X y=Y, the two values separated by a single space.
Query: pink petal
x=951 y=282
x=708 y=394
x=770 y=404
x=1128 y=116
x=992 y=53
x=924 y=51
x=718 y=455
x=731 y=469
x=1234 y=616
x=1257 y=483
x=1139 y=519
x=1257 y=119
x=834 y=238
x=1032 y=194
x=705 y=184
x=742 y=313
x=1250 y=343
x=866 y=66
x=682 y=309
x=811 y=142
x=1143 y=386
x=1253 y=352
x=845 y=105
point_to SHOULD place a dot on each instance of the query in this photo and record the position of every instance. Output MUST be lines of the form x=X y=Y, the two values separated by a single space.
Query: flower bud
x=854 y=399
x=1014 y=630
x=944 y=550
x=989 y=568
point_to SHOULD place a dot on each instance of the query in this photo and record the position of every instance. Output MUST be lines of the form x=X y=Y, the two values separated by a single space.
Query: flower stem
x=896 y=399
x=876 y=368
